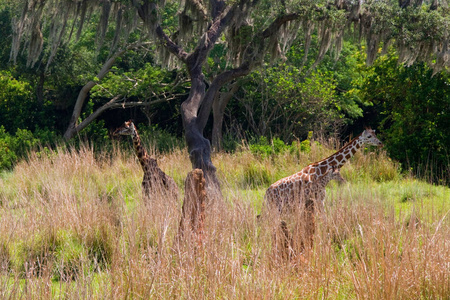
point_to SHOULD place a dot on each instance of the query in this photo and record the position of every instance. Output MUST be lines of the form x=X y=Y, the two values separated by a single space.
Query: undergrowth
x=75 y=225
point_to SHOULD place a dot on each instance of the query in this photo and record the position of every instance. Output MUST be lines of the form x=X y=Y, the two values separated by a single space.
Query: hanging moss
x=418 y=29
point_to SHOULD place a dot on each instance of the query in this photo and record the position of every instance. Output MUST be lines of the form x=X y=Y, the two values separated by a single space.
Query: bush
x=412 y=108
x=15 y=147
x=17 y=106
x=263 y=148
x=7 y=155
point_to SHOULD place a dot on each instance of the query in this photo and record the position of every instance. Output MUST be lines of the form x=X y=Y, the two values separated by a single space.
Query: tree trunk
x=218 y=113
x=196 y=109
x=220 y=102
x=40 y=89
x=199 y=147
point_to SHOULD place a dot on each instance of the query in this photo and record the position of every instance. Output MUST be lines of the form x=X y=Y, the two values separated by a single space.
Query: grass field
x=73 y=225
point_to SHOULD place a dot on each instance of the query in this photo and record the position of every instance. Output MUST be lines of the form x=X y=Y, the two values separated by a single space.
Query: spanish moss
x=380 y=23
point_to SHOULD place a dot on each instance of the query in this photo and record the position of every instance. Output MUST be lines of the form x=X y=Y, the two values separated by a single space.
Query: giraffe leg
x=286 y=240
x=310 y=226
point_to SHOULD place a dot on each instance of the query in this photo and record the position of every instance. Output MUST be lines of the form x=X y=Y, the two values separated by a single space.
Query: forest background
x=275 y=85
x=298 y=96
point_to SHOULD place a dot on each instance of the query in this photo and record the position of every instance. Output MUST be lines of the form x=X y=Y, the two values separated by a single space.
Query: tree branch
x=82 y=95
x=171 y=45
x=210 y=37
x=114 y=104
x=277 y=23
x=214 y=88
x=244 y=69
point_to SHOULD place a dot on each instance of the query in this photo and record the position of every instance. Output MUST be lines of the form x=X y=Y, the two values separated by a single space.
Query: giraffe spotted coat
x=310 y=182
x=155 y=181
x=293 y=190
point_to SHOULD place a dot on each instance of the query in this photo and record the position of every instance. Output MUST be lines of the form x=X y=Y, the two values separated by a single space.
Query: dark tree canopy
x=418 y=29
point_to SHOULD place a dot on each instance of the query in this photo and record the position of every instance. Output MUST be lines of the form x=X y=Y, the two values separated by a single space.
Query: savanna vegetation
x=250 y=92
x=75 y=226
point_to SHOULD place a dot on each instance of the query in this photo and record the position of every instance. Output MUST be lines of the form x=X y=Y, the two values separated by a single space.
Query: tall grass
x=76 y=226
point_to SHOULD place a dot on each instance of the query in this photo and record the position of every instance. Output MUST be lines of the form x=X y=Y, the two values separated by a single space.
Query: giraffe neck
x=141 y=153
x=339 y=158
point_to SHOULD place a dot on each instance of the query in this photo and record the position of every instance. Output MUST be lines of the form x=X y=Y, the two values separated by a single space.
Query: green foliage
x=17 y=146
x=340 y=72
x=256 y=174
x=280 y=100
x=160 y=139
x=261 y=146
x=414 y=110
x=5 y=33
x=7 y=155
x=288 y=101
x=95 y=133
x=14 y=147
x=143 y=83
x=230 y=143
x=16 y=102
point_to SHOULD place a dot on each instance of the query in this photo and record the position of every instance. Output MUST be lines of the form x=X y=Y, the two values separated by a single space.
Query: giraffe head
x=368 y=137
x=127 y=128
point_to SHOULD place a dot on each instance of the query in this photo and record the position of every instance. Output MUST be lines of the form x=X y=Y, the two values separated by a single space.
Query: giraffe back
x=293 y=190
x=156 y=182
x=287 y=192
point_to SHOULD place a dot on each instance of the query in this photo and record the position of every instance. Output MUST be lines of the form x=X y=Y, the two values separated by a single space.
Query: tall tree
x=251 y=31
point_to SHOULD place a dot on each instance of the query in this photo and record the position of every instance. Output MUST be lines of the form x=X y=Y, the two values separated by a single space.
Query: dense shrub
x=17 y=146
x=412 y=106
x=16 y=102
x=264 y=148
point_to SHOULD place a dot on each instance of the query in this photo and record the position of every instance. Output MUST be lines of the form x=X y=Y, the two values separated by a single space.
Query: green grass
x=74 y=226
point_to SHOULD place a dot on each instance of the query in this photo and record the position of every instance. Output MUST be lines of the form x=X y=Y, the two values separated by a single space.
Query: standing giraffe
x=311 y=194
x=285 y=195
x=155 y=181
x=307 y=187
x=288 y=190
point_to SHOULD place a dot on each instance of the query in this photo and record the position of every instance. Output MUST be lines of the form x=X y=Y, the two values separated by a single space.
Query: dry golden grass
x=76 y=226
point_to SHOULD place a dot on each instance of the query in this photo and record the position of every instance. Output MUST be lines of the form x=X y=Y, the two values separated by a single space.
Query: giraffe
x=155 y=180
x=310 y=190
x=295 y=187
x=313 y=194
x=307 y=187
